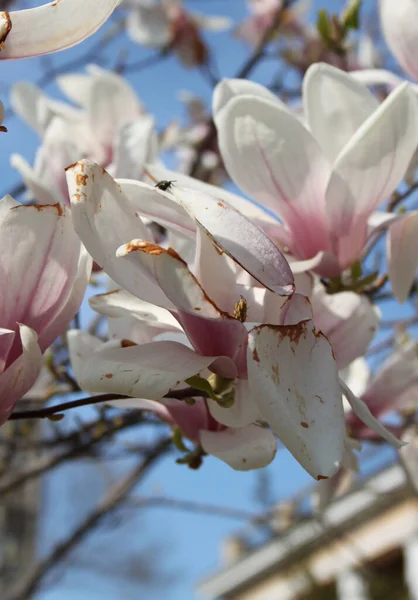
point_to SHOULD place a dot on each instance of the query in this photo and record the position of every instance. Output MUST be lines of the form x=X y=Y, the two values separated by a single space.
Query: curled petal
x=55 y=26
x=21 y=375
x=243 y=449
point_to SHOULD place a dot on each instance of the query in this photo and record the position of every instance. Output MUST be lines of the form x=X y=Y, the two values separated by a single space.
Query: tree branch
x=27 y=585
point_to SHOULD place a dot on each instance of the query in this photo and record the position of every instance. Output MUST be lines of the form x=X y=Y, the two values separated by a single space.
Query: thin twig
x=30 y=582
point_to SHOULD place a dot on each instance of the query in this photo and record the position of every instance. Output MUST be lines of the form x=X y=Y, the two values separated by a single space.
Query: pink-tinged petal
x=348 y=320
x=402 y=254
x=243 y=412
x=272 y=157
x=362 y=411
x=21 y=375
x=399 y=29
x=387 y=390
x=216 y=272
x=146 y=371
x=227 y=89
x=40 y=248
x=104 y=220
x=7 y=337
x=71 y=304
x=246 y=207
x=240 y=239
x=374 y=162
x=214 y=337
x=243 y=449
x=120 y=303
x=297 y=309
x=136 y=145
x=39 y=190
x=335 y=105
x=161 y=209
x=110 y=94
x=55 y=26
x=173 y=276
x=294 y=379
x=379 y=221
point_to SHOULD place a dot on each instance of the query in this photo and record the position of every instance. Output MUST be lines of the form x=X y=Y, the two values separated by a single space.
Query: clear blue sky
x=192 y=541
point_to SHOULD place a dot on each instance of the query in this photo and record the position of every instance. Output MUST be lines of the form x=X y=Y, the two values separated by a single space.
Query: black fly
x=164 y=185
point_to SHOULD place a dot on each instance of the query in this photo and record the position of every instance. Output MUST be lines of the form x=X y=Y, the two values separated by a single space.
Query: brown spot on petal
x=221 y=204
x=81 y=179
x=304 y=424
x=5 y=27
x=71 y=166
x=255 y=355
x=321 y=477
x=108 y=375
x=218 y=250
x=127 y=343
x=319 y=398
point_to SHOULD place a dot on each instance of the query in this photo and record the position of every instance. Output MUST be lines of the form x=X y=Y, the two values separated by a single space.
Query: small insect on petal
x=164 y=185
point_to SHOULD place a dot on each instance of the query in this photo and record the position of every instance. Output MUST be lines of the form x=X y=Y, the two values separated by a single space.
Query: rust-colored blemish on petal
x=255 y=355
x=108 y=375
x=127 y=343
x=304 y=424
x=218 y=250
x=320 y=477
x=71 y=166
x=319 y=398
x=221 y=204
x=5 y=27
x=55 y=2
x=81 y=179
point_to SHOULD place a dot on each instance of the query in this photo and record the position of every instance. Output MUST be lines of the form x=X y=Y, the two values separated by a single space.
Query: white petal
x=64 y=23
x=146 y=371
x=136 y=145
x=243 y=449
x=149 y=25
x=399 y=28
x=104 y=219
x=294 y=379
x=172 y=274
x=120 y=303
x=402 y=254
x=335 y=105
x=229 y=88
x=375 y=160
x=240 y=239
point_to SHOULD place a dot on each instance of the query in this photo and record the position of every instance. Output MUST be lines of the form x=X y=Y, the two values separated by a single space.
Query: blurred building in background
x=363 y=546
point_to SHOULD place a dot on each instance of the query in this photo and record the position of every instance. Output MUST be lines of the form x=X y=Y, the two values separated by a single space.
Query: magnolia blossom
x=325 y=179
x=51 y=27
x=45 y=271
x=167 y=24
x=108 y=125
x=261 y=347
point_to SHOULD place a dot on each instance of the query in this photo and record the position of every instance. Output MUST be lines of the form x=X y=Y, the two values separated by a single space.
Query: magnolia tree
x=239 y=317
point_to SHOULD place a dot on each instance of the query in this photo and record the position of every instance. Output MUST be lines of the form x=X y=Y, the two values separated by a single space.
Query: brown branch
x=30 y=582
x=50 y=411
x=104 y=430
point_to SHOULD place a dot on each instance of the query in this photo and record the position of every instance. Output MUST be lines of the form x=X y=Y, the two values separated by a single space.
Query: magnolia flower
x=256 y=341
x=51 y=27
x=323 y=182
x=45 y=271
x=109 y=126
x=168 y=24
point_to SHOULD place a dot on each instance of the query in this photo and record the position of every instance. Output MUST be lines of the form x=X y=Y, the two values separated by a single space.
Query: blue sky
x=192 y=541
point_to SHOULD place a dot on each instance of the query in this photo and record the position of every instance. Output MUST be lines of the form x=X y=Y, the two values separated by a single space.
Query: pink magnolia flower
x=168 y=24
x=278 y=365
x=51 y=27
x=45 y=271
x=109 y=126
x=324 y=180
